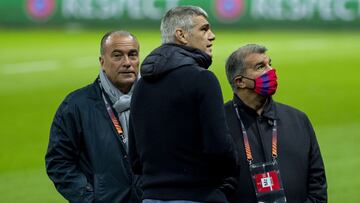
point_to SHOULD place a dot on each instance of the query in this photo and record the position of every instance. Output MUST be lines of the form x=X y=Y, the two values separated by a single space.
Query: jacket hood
x=172 y=56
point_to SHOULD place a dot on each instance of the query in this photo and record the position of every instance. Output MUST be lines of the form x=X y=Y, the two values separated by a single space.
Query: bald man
x=87 y=152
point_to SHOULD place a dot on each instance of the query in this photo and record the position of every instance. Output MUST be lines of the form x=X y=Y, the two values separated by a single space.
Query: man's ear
x=239 y=82
x=181 y=36
x=101 y=60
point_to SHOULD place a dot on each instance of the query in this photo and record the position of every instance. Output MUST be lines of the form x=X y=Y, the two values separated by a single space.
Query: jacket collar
x=171 y=56
x=268 y=112
x=201 y=58
x=95 y=91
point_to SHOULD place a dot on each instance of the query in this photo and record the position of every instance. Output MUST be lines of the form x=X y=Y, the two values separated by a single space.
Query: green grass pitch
x=318 y=73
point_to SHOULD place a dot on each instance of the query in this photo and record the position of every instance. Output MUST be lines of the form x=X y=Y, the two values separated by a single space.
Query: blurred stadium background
x=49 y=48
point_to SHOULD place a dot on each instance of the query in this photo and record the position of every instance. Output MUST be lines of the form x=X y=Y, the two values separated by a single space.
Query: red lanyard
x=246 y=138
x=114 y=120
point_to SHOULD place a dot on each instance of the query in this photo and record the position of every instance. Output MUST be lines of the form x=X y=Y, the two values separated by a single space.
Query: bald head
x=105 y=38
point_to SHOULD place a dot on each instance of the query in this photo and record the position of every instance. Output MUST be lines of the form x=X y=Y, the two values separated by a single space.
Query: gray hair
x=114 y=32
x=235 y=64
x=179 y=17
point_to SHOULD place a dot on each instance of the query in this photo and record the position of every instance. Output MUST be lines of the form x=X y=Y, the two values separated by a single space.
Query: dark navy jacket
x=179 y=140
x=301 y=166
x=86 y=159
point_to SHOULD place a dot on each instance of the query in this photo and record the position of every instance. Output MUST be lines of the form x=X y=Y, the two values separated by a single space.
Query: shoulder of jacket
x=80 y=93
x=228 y=104
x=79 y=97
x=284 y=108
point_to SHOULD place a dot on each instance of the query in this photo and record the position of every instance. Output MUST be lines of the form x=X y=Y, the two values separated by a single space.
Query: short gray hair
x=235 y=64
x=179 y=17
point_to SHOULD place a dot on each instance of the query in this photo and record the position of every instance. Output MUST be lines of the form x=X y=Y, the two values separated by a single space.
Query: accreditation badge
x=267 y=182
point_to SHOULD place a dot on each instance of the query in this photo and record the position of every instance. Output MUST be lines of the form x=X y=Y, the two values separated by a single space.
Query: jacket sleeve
x=133 y=153
x=317 y=186
x=217 y=142
x=63 y=155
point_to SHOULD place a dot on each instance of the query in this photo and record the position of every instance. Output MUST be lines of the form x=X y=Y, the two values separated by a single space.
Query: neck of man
x=124 y=89
x=252 y=100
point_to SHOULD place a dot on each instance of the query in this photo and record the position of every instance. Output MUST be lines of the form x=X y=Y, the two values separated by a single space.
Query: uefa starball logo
x=40 y=10
x=229 y=10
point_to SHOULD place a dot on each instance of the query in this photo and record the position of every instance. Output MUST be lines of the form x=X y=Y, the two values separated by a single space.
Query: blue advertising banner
x=140 y=13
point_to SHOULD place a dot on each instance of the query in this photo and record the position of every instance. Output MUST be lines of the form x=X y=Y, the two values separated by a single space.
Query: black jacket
x=85 y=157
x=179 y=140
x=301 y=166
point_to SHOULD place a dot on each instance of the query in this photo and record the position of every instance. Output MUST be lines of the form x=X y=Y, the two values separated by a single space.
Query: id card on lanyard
x=265 y=176
x=114 y=119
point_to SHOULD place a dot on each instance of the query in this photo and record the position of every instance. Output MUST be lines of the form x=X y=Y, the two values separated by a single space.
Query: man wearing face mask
x=279 y=155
